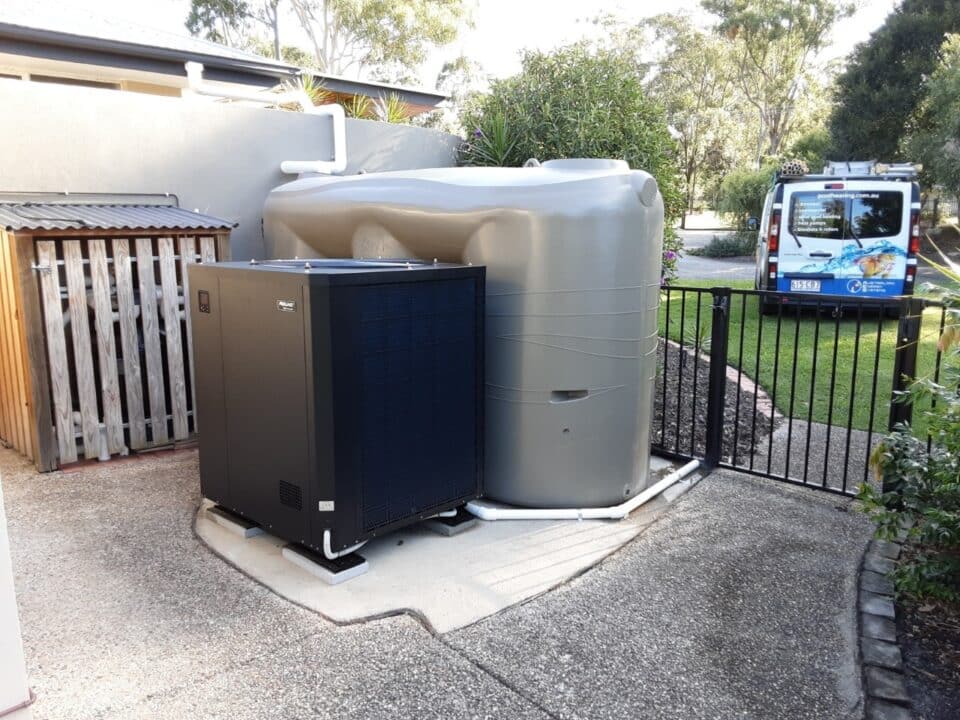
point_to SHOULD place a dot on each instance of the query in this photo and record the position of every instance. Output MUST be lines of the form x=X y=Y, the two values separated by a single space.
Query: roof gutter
x=60 y=39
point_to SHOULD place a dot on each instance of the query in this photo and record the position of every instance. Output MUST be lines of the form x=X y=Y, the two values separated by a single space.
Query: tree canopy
x=775 y=43
x=694 y=81
x=935 y=141
x=388 y=37
x=884 y=81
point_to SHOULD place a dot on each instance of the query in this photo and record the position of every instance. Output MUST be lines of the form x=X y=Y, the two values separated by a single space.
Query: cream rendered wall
x=219 y=158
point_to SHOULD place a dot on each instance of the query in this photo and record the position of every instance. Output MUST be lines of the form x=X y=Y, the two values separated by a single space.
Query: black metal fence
x=799 y=392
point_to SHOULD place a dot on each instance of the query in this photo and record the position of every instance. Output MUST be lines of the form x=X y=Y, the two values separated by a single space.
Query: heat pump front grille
x=418 y=398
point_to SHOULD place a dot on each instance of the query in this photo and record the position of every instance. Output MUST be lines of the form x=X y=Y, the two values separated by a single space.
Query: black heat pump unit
x=338 y=399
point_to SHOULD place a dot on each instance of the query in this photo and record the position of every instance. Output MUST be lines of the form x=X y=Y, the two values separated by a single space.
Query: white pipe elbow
x=614 y=512
x=328 y=550
x=327 y=167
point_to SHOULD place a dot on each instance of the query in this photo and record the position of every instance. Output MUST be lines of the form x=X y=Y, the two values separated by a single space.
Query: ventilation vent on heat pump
x=291 y=495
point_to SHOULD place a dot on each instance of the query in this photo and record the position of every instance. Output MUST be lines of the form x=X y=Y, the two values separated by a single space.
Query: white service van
x=853 y=230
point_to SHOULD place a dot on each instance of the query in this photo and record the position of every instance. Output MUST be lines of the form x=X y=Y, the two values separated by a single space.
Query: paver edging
x=885 y=687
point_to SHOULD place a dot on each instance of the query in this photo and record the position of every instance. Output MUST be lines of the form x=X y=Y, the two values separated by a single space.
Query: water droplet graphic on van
x=852 y=255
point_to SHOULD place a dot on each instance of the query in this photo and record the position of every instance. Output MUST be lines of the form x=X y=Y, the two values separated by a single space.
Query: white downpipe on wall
x=15 y=695
x=337 y=164
x=339 y=161
x=615 y=512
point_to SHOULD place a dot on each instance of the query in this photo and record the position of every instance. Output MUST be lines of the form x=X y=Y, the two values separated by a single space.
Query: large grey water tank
x=572 y=250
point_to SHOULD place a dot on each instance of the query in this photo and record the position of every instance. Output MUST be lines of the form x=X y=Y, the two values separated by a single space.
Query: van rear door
x=845 y=238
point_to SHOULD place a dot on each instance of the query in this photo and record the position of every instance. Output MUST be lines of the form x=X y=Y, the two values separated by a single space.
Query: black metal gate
x=799 y=392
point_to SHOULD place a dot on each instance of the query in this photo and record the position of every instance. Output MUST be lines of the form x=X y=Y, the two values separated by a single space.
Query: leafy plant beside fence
x=920 y=467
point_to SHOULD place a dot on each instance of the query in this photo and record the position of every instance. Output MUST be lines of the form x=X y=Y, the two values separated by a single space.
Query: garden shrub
x=577 y=101
x=736 y=244
x=742 y=193
x=926 y=498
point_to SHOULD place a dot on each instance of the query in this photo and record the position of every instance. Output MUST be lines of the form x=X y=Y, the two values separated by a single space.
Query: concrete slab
x=451 y=582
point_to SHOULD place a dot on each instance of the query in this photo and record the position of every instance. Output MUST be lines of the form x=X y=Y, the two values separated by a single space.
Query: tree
x=775 y=43
x=228 y=21
x=883 y=82
x=346 y=36
x=576 y=101
x=460 y=79
x=811 y=147
x=693 y=81
x=742 y=193
x=936 y=138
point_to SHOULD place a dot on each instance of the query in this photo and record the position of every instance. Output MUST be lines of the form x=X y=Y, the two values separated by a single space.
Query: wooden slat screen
x=15 y=410
x=117 y=341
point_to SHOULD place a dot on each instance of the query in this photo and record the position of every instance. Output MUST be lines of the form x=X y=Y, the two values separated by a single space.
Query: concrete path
x=737 y=603
x=837 y=460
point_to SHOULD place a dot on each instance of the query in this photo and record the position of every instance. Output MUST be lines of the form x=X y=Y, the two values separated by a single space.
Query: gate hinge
x=40 y=268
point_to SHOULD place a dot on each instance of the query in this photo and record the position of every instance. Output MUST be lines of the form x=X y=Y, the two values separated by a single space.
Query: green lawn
x=860 y=395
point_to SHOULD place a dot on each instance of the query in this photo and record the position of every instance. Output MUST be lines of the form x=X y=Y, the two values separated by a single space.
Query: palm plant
x=391 y=109
x=490 y=144
x=358 y=106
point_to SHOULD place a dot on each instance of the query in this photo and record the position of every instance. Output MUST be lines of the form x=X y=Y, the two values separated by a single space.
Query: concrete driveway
x=738 y=602
x=720 y=270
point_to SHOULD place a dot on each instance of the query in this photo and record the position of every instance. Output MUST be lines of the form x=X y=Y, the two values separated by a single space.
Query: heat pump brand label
x=325 y=506
x=286 y=305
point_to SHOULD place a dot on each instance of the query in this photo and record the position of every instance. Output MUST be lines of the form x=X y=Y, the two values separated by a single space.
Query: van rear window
x=846 y=214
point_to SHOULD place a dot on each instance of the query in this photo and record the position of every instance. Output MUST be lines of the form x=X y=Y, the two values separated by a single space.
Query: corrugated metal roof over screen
x=62 y=216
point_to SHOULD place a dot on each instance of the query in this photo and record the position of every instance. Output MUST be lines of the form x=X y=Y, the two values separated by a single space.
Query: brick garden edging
x=886 y=688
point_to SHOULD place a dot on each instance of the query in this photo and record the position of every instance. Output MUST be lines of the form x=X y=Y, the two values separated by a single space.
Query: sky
x=502 y=27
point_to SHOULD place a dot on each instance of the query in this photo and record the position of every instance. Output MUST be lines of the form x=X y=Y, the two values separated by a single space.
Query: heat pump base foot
x=332 y=572
x=451 y=526
x=236 y=524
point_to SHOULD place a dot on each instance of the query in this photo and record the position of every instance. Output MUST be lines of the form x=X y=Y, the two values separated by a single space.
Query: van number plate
x=804 y=286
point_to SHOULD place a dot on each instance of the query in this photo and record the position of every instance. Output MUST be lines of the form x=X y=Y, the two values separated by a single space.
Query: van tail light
x=914 y=247
x=772 y=271
x=911 y=275
x=773 y=235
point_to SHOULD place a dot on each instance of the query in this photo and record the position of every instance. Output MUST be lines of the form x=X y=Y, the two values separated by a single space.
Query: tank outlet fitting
x=645 y=187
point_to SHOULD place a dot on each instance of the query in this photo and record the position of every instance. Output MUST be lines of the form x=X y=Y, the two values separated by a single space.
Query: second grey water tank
x=573 y=255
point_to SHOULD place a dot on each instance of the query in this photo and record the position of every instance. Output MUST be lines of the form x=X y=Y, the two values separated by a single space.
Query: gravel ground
x=687 y=380
x=739 y=602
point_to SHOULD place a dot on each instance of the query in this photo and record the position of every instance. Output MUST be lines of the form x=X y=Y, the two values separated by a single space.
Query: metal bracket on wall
x=40 y=268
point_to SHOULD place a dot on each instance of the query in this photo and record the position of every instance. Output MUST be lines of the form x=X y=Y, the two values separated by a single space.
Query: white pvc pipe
x=327 y=167
x=330 y=554
x=198 y=86
x=614 y=512
x=337 y=164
